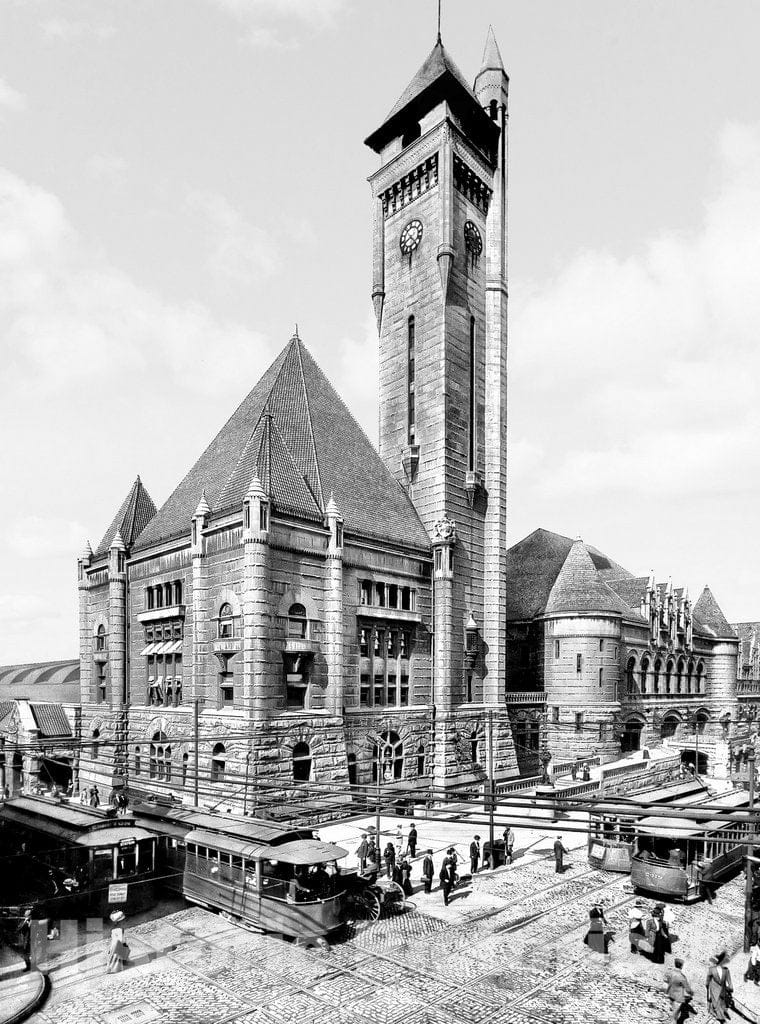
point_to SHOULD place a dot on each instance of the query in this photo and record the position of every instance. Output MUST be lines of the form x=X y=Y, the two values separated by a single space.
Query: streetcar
x=611 y=832
x=686 y=858
x=291 y=886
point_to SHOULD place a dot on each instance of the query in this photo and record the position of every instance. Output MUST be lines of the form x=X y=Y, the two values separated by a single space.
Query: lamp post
x=377 y=740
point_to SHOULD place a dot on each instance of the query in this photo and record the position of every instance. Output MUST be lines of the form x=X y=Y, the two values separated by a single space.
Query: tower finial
x=439 y=21
x=296 y=334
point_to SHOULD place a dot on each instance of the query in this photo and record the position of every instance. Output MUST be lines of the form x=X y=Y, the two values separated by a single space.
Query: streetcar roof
x=673 y=828
x=298 y=851
x=114 y=836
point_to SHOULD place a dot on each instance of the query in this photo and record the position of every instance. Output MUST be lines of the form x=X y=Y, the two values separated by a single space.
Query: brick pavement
x=514 y=943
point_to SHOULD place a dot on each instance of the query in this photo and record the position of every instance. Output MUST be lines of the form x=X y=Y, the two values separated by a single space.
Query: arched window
x=100 y=639
x=656 y=676
x=137 y=761
x=420 y=760
x=679 y=675
x=669 y=726
x=474 y=747
x=184 y=769
x=701 y=721
x=297 y=622
x=226 y=625
x=159 y=596
x=301 y=762
x=95 y=748
x=669 y=676
x=352 y=769
x=701 y=677
x=391 y=756
x=493 y=110
x=160 y=758
x=643 y=677
x=630 y=675
x=167 y=594
x=218 y=763
x=689 y=676
x=178 y=592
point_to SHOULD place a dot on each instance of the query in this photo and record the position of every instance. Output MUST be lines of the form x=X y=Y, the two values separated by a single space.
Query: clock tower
x=439 y=289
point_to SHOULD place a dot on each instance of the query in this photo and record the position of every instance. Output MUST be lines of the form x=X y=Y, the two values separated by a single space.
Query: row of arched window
x=163 y=595
x=670 y=677
x=298 y=624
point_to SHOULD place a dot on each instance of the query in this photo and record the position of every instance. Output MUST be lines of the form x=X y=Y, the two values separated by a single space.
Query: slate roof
x=48 y=680
x=51 y=719
x=533 y=565
x=438 y=77
x=579 y=588
x=746 y=631
x=133 y=516
x=708 y=614
x=294 y=432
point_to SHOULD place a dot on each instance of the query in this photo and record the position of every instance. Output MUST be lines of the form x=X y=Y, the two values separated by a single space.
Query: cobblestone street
x=513 y=942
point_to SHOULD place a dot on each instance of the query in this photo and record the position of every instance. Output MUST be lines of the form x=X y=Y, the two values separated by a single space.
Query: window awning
x=159 y=681
x=150 y=649
x=174 y=647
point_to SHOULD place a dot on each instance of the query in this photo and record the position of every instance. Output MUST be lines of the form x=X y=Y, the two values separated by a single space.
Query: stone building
x=620 y=661
x=306 y=612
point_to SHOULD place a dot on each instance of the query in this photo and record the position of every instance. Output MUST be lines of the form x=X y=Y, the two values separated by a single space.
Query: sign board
x=126 y=844
x=117 y=893
x=597 y=850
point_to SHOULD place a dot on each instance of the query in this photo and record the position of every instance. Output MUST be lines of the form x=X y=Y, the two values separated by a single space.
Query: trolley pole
x=377 y=805
x=245 y=790
x=748 y=878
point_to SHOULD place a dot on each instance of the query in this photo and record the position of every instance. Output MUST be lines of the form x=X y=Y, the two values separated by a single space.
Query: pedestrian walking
x=574 y=770
x=559 y=852
x=596 y=937
x=427 y=871
x=372 y=853
x=586 y=772
x=389 y=856
x=679 y=991
x=118 y=950
x=753 y=964
x=25 y=939
x=94 y=797
x=361 y=852
x=406 y=877
x=719 y=988
x=448 y=878
x=474 y=855
x=509 y=844
x=636 y=929
x=411 y=842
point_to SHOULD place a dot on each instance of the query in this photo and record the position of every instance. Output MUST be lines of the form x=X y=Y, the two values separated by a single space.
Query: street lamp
x=748 y=878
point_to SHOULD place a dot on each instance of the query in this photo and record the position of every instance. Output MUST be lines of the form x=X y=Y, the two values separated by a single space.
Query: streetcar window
x=201 y=851
x=236 y=862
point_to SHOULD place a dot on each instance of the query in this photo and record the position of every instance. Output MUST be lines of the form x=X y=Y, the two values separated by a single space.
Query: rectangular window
x=339 y=535
x=404 y=691
x=579 y=721
x=472 y=439
x=364 y=691
x=406 y=599
x=149 y=598
x=601 y=645
x=392 y=644
x=365 y=592
x=380 y=591
x=363 y=643
x=379 y=688
x=438 y=559
x=578 y=662
x=555 y=715
x=263 y=516
x=392 y=689
x=556 y=648
x=600 y=677
x=101 y=681
x=601 y=730
x=392 y=595
x=411 y=374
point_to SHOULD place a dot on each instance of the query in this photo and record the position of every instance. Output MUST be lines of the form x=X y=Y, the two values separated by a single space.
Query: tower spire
x=438 y=40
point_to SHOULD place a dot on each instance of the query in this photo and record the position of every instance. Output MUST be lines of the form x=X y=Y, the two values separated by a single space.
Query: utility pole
x=491 y=790
x=245 y=790
x=196 y=704
x=748 y=878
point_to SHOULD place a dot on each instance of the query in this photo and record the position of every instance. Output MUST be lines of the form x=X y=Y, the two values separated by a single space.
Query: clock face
x=411 y=237
x=472 y=239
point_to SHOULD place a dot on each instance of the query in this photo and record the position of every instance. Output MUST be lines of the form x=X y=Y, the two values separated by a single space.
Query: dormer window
x=226 y=626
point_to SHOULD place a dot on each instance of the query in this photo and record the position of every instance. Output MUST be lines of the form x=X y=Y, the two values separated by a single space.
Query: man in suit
x=474 y=855
x=361 y=852
x=559 y=850
x=448 y=877
x=427 y=871
x=412 y=842
x=680 y=991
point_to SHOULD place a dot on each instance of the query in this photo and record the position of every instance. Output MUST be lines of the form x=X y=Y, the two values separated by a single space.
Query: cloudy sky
x=183 y=180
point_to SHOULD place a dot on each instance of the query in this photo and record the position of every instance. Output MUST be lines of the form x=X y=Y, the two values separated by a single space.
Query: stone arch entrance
x=55 y=771
x=631 y=736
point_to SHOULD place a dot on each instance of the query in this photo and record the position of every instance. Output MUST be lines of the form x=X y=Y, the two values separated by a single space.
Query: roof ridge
x=320 y=498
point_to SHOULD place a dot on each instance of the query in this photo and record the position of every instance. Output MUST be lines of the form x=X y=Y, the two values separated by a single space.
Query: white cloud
x=67 y=30
x=241 y=253
x=68 y=318
x=10 y=98
x=319 y=11
x=642 y=375
x=107 y=168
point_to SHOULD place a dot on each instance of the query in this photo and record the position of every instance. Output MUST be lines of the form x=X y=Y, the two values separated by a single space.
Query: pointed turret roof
x=295 y=434
x=135 y=513
x=491 y=54
x=708 y=615
x=203 y=508
x=578 y=587
x=438 y=78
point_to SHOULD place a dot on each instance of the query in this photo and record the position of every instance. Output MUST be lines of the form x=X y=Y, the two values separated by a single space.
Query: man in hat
x=719 y=987
x=474 y=855
x=361 y=852
x=559 y=851
x=25 y=937
x=679 y=990
x=636 y=932
x=427 y=871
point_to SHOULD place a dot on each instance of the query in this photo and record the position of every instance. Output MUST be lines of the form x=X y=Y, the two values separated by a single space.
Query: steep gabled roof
x=578 y=587
x=533 y=565
x=135 y=513
x=438 y=78
x=294 y=433
x=707 y=614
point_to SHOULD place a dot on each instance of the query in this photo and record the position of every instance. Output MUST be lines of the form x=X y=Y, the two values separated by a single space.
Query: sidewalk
x=746 y=993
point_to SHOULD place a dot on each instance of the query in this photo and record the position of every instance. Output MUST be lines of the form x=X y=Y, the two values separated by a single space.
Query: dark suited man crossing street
x=559 y=851
x=474 y=855
x=427 y=871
